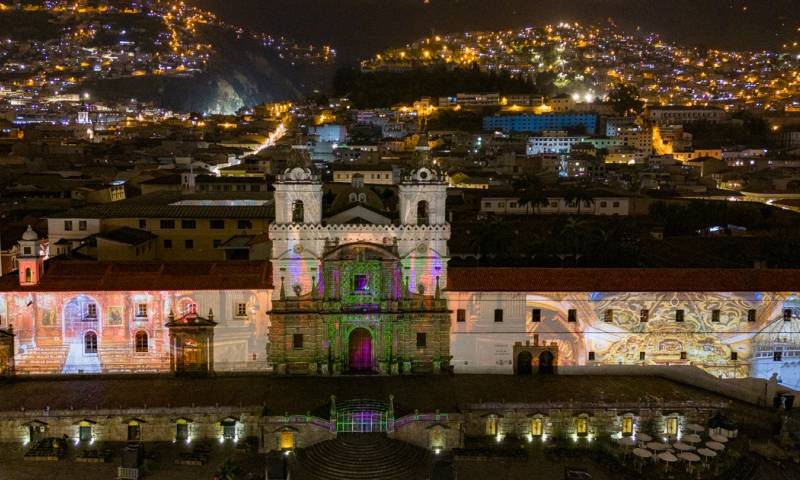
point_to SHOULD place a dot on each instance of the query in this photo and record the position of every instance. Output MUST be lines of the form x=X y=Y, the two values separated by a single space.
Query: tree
x=625 y=99
x=580 y=196
x=529 y=192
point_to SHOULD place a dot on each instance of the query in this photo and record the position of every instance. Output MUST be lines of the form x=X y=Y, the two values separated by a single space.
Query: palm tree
x=529 y=191
x=580 y=196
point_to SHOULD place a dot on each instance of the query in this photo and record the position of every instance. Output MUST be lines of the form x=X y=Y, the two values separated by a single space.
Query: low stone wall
x=758 y=392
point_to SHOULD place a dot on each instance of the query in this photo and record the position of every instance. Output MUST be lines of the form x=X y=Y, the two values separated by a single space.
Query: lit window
x=672 y=425
x=491 y=425
x=286 y=441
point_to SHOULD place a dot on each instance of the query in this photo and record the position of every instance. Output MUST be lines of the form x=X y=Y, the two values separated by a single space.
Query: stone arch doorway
x=524 y=363
x=360 y=351
x=546 y=361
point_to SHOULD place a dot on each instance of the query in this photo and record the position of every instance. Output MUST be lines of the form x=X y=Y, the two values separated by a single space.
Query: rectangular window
x=217 y=242
x=141 y=310
x=167 y=224
x=167 y=243
x=591 y=356
x=572 y=315
x=751 y=315
x=244 y=224
x=627 y=426
x=672 y=426
x=241 y=309
x=536 y=315
x=188 y=243
x=142 y=224
x=68 y=225
x=679 y=315
x=777 y=356
x=498 y=315
x=644 y=315
x=422 y=339
x=609 y=315
x=297 y=340
x=684 y=355
x=82 y=225
x=787 y=314
x=641 y=355
x=734 y=355
x=715 y=315
x=360 y=283
x=461 y=315
x=91 y=310
x=217 y=224
x=189 y=224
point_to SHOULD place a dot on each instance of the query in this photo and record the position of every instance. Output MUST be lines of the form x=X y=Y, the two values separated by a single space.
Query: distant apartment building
x=690 y=155
x=167 y=226
x=558 y=205
x=329 y=132
x=478 y=99
x=587 y=122
x=371 y=174
x=556 y=142
x=677 y=115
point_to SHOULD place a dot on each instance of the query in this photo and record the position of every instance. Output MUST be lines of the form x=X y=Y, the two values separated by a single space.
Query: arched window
x=298 y=213
x=90 y=342
x=141 y=342
x=362 y=197
x=28 y=275
x=422 y=212
x=353 y=197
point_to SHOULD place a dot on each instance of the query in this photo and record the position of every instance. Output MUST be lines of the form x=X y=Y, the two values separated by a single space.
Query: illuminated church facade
x=359 y=289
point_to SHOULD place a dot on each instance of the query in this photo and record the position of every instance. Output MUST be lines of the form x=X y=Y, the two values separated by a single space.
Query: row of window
x=140 y=310
x=191 y=224
x=684 y=356
x=644 y=315
x=141 y=344
x=82 y=225
x=298 y=340
x=189 y=243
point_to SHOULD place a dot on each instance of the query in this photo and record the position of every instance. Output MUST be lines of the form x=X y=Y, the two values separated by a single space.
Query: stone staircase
x=362 y=456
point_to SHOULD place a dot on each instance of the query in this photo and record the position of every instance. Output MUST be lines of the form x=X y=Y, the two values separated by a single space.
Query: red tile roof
x=479 y=279
x=88 y=276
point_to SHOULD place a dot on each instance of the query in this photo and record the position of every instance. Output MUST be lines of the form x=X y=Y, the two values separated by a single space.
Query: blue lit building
x=538 y=123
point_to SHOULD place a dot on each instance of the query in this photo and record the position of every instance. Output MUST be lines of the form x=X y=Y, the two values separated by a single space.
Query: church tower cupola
x=30 y=260
x=298 y=197
x=422 y=198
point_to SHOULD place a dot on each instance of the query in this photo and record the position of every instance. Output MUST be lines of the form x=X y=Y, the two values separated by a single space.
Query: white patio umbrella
x=656 y=446
x=682 y=446
x=691 y=438
x=689 y=457
x=718 y=438
x=708 y=453
x=695 y=427
x=627 y=441
x=667 y=457
x=644 y=437
x=643 y=453
x=715 y=446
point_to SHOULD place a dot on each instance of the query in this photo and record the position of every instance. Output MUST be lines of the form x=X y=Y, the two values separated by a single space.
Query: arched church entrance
x=546 y=361
x=524 y=363
x=360 y=351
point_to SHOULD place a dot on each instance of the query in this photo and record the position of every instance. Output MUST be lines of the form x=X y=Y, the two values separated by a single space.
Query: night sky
x=359 y=28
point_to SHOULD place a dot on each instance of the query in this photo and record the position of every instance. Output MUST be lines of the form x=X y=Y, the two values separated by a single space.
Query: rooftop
x=128 y=236
x=508 y=279
x=177 y=205
x=63 y=275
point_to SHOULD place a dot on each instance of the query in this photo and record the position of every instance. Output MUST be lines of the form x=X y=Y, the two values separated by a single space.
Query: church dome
x=30 y=235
